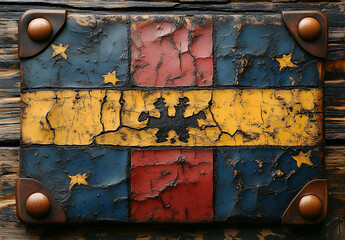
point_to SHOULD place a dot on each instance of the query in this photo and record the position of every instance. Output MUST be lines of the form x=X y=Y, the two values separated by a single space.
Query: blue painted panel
x=247 y=48
x=94 y=49
x=260 y=183
x=105 y=195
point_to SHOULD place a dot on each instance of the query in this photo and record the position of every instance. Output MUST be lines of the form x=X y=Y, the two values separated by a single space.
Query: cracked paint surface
x=105 y=196
x=262 y=145
x=172 y=185
x=172 y=51
x=96 y=45
x=228 y=117
x=247 y=48
x=261 y=183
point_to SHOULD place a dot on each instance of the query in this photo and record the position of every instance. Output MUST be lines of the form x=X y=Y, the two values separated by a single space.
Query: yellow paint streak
x=233 y=117
x=285 y=62
x=93 y=21
x=77 y=179
x=87 y=22
x=110 y=78
x=303 y=158
x=252 y=21
x=59 y=50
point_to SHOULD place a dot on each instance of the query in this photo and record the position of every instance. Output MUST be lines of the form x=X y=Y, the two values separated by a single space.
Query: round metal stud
x=39 y=29
x=310 y=207
x=309 y=29
x=38 y=205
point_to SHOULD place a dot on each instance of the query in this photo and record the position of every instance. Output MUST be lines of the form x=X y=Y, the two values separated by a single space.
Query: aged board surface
x=172 y=118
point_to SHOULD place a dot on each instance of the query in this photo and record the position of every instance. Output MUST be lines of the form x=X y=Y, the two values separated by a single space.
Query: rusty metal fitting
x=39 y=29
x=310 y=207
x=309 y=29
x=38 y=205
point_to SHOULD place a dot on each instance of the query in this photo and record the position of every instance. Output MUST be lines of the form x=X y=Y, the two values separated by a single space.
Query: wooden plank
x=10 y=228
x=9 y=172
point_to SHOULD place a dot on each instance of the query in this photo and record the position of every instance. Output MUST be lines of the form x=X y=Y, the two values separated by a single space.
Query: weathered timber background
x=332 y=228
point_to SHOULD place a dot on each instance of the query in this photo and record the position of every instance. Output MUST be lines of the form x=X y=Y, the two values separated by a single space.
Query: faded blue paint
x=92 y=52
x=105 y=198
x=247 y=48
x=260 y=183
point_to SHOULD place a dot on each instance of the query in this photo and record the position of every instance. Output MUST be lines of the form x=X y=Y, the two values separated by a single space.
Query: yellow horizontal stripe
x=222 y=117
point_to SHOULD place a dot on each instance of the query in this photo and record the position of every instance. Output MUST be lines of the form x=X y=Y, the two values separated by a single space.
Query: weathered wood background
x=332 y=228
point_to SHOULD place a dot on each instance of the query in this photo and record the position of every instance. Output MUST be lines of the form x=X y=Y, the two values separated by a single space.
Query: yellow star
x=77 y=179
x=303 y=158
x=59 y=50
x=285 y=61
x=110 y=78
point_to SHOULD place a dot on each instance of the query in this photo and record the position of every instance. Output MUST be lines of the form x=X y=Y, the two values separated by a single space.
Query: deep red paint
x=172 y=185
x=164 y=54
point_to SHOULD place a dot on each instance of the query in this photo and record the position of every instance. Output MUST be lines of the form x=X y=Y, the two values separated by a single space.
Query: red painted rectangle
x=172 y=51
x=172 y=185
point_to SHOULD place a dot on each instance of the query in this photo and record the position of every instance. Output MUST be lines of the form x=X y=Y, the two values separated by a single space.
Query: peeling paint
x=172 y=51
x=172 y=186
x=246 y=190
x=247 y=48
x=97 y=45
x=159 y=118
x=104 y=138
x=104 y=197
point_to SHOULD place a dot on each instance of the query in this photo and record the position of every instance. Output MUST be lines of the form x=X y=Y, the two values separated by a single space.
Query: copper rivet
x=39 y=29
x=310 y=207
x=38 y=205
x=309 y=29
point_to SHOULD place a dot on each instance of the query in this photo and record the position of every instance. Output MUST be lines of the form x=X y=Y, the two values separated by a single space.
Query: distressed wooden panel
x=173 y=185
x=173 y=118
x=332 y=229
